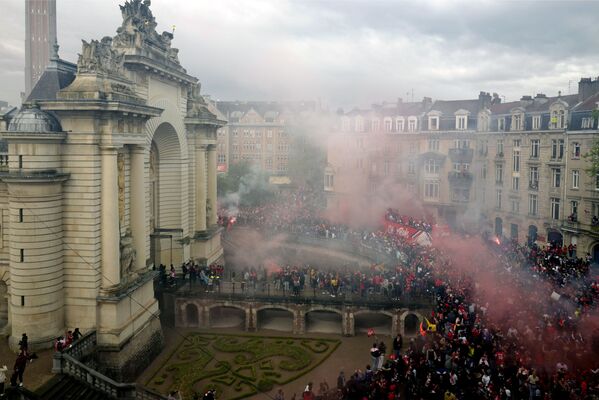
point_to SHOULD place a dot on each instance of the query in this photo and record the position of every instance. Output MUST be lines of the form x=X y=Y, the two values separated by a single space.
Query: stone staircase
x=66 y=387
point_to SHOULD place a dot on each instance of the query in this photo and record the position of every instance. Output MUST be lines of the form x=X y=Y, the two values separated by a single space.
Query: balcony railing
x=533 y=185
x=463 y=178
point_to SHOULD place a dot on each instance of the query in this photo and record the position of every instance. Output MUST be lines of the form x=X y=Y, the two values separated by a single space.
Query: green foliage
x=244 y=185
x=592 y=158
x=265 y=385
x=238 y=366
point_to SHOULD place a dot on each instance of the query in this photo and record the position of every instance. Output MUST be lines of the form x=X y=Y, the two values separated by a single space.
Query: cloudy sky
x=346 y=52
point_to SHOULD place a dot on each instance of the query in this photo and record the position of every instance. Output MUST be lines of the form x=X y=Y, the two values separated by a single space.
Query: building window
x=574 y=210
x=517 y=122
x=575 y=178
x=558 y=119
x=22 y=255
x=375 y=126
x=515 y=183
x=411 y=167
x=556 y=174
x=557 y=149
x=431 y=189
x=433 y=145
x=431 y=166
x=388 y=124
x=499 y=173
x=516 y=163
x=501 y=124
x=433 y=123
x=399 y=123
x=587 y=123
x=534 y=178
x=222 y=159
x=20 y=215
x=576 y=150
x=483 y=122
x=461 y=122
x=533 y=205
x=328 y=181
x=483 y=171
x=412 y=124
x=500 y=147
x=515 y=206
x=536 y=122
x=555 y=208
x=498 y=199
x=535 y=146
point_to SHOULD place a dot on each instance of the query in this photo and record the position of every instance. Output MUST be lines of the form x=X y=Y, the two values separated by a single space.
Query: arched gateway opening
x=411 y=324
x=275 y=319
x=323 y=321
x=165 y=195
x=381 y=323
x=227 y=317
x=191 y=314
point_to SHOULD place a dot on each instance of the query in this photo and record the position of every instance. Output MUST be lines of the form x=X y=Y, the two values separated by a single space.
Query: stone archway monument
x=128 y=94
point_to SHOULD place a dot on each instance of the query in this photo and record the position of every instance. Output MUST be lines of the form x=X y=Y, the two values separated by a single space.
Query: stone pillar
x=201 y=189
x=212 y=217
x=394 y=325
x=299 y=323
x=111 y=268
x=206 y=317
x=137 y=207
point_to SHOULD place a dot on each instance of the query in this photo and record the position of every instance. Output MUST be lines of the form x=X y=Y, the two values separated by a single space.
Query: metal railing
x=275 y=293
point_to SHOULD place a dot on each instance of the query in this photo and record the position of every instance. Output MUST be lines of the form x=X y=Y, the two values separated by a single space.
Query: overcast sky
x=345 y=52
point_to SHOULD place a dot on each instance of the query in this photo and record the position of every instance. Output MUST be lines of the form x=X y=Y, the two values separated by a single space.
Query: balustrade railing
x=69 y=362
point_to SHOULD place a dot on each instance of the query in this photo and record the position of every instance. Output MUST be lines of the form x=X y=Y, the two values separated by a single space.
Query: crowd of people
x=539 y=342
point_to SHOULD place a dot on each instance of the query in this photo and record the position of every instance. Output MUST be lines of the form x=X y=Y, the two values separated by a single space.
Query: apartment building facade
x=515 y=169
x=259 y=132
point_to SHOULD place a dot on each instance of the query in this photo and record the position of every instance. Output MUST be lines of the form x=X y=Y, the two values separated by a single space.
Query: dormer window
x=483 y=122
x=388 y=124
x=433 y=123
x=501 y=124
x=536 y=122
x=412 y=124
x=461 y=122
x=558 y=116
x=517 y=122
x=375 y=125
x=399 y=124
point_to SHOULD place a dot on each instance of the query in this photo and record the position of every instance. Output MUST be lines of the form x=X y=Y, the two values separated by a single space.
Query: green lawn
x=238 y=366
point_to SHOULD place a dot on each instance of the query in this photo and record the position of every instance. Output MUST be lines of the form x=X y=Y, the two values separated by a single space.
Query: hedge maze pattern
x=238 y=366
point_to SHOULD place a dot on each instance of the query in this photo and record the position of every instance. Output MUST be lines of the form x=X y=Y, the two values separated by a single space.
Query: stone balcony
x=460 y=178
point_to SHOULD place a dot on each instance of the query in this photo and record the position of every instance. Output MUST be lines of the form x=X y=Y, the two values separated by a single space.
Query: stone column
x=212 y=218
x=394 y=325
x=201 y=189
x=137 y=207
x=111 y=267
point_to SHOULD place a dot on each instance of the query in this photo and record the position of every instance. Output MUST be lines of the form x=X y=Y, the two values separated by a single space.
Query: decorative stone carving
x=128 y=255
x=139 y=25
x=121 y=185
x=100 y=57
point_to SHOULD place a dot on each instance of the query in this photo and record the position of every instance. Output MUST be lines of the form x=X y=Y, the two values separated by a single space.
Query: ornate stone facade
x=110 y=173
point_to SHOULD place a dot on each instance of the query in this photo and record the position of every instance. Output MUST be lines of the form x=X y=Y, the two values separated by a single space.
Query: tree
x=244 y=185
x=593 y=155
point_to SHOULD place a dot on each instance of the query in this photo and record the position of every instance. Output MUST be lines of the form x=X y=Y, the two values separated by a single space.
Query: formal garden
x=238 y=366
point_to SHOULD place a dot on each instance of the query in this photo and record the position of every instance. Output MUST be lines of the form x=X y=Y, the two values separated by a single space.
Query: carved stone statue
x=138 y=26
x=100 y=57
x=128 y=255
